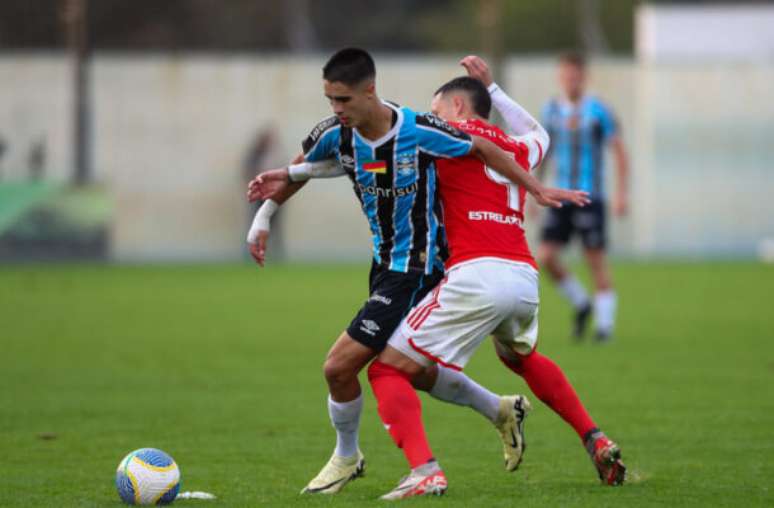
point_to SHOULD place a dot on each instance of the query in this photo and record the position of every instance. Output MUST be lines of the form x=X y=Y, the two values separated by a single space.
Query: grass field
x=221 y=367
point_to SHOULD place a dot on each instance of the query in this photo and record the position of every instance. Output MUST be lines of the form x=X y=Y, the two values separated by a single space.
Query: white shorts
x=478 y=298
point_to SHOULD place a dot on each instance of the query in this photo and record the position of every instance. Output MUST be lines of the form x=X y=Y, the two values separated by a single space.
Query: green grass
x=221 y=367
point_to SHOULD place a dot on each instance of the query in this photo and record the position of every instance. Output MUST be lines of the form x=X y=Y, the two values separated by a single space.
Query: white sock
x=604 y=310
x=574 y=291
x=455 y=387
x=427 y=469
x=345 y=417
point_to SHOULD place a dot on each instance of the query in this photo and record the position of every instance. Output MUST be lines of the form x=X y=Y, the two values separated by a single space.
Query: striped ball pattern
x=147 y=476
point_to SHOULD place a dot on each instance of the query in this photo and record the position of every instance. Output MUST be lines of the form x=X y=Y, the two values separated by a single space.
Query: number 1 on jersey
x=513 y=189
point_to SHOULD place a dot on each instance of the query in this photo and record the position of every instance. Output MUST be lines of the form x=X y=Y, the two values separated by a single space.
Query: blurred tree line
x=302 y=25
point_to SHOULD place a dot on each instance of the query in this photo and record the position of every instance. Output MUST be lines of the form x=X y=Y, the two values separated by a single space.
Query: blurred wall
x=35 y=109
x=170 y=134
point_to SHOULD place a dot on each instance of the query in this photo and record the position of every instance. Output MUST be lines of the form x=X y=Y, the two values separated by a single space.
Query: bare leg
x=605 y=297
x=345 y=360
x=548 y=257
x=568 y=285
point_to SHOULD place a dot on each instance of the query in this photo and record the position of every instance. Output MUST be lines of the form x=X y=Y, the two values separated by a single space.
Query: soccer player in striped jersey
x=389 y=153
x=581 y=127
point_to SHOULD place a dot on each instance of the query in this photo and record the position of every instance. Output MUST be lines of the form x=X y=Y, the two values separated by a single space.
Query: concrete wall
x=170 y=134
x=35 y=107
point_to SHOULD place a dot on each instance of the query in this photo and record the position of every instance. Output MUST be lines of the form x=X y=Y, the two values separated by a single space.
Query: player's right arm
x=258 y=235
x=320 y=145
x=277 y=186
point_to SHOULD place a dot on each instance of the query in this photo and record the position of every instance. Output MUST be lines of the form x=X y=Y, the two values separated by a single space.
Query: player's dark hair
x=575 y=58
x=479 y=95
x=350 y=66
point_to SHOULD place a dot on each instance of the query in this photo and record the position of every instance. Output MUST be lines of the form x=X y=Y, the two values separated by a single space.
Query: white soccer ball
x=148 y=476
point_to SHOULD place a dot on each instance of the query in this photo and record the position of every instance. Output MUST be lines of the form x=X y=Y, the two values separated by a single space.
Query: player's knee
x=510 y=358
x=337 y=372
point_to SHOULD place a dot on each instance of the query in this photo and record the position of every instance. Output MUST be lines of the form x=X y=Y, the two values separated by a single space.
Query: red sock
x=549 y=384
x=401 y=411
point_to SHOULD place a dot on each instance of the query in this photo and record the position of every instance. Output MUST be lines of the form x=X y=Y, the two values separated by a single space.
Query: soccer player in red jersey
x=490 y=288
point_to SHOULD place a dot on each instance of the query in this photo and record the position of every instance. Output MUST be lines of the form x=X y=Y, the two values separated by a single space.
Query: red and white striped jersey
x=483 y=211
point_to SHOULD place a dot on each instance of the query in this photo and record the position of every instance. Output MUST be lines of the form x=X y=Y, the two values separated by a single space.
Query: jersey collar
x=392 y=132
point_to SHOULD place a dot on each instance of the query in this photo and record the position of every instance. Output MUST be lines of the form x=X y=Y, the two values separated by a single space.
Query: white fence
x=170 y=133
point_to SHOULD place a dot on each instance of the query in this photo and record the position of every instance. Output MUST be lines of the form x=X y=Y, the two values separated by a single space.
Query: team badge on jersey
x=405 y=163
x=378 y=167
x=347 y=162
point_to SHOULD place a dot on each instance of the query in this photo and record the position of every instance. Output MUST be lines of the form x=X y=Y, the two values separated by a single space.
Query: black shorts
x=588 y=222
x=392 y=295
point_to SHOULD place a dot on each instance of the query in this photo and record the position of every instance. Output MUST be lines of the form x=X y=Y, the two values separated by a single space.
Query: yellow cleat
x=510 y=425
x=337 y=472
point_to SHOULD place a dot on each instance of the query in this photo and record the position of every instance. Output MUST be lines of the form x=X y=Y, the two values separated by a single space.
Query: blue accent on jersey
x=431 y=215
x=578 y=137
x=369 y=202
x=405 y=175
x=397 y=187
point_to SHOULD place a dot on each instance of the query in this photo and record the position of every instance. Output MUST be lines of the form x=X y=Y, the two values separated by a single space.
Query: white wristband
x=328 y=168
x=299 y=172
x=262 y=220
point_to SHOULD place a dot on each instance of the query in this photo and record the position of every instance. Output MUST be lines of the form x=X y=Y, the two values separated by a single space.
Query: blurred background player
x=581 y=126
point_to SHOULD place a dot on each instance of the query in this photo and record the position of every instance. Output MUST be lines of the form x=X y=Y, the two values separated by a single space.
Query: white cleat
x=510 y=425
x=337 y=472
x=417 y=484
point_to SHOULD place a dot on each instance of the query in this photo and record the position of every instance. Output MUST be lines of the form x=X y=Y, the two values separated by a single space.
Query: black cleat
x=582 y=316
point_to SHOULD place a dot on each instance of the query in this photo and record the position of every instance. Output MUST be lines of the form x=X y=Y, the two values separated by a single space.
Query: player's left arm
x=504 y=163
x=621 y=196
x=526 y=130
x=611 y=133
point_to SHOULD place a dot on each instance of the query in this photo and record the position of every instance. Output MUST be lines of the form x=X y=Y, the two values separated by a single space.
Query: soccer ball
x=148 y=476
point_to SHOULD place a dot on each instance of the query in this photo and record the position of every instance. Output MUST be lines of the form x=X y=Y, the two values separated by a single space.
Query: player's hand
x=268 y=185
x=533 y=209
x=549 y=196
x=620 y=205
x=258 y=249
x=478 y=69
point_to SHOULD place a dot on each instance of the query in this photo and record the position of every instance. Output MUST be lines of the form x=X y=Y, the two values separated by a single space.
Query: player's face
x=446 y=108
x=351 y=104
x=572 y=79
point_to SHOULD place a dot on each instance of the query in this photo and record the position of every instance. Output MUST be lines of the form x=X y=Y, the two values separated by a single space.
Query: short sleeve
x=439 y=139
x=546 y=113
x=322 y=142
x=549 y=124
x=607 y=121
